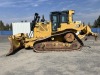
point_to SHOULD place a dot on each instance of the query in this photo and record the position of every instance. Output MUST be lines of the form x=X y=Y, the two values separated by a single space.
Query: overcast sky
x=18 y=10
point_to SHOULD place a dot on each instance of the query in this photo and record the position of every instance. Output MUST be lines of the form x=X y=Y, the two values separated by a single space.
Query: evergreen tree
x=1 y=25
x=7 y=27
x=97 y=23
x=10 y=26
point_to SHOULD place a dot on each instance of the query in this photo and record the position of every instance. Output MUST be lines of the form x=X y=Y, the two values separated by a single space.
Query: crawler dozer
x=61 y=33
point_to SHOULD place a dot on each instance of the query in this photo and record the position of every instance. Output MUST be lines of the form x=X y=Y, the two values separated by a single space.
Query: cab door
x=55 y=22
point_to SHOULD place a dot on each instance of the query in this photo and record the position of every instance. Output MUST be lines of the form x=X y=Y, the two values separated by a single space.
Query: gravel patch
x=27 y=62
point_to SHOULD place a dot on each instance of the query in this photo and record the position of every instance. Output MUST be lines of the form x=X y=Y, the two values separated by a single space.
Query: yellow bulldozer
x=61 y=33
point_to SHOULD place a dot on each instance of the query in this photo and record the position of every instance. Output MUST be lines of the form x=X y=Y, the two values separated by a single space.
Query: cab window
x=64 y=18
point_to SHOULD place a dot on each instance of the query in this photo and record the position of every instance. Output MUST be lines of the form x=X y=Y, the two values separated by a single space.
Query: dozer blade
x=14 y=46
x=16 y=42
x=11 y=49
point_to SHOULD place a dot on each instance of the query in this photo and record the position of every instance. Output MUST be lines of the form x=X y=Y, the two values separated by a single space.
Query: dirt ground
x=26 y=62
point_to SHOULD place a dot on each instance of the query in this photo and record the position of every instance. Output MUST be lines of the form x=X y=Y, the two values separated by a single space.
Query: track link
x=47 y=44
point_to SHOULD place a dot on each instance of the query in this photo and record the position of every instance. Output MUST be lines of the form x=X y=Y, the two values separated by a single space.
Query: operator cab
x=58 y=17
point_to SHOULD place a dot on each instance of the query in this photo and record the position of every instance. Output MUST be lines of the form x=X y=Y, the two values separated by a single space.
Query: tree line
x=5 y=27
x=96 y=24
